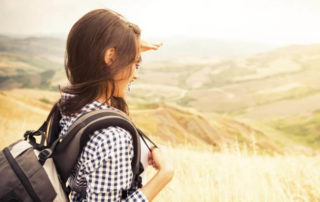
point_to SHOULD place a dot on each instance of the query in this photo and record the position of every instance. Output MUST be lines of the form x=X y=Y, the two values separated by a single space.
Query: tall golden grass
x=202 y=174
x=234 y=175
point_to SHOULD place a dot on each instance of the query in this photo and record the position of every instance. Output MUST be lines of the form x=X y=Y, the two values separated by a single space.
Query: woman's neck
x=103 y=99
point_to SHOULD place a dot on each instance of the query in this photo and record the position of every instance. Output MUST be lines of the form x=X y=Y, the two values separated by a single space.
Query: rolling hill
x=29 y=62
x=165 y=123
x=240 y=120
x=227 y=172
x=270 y=98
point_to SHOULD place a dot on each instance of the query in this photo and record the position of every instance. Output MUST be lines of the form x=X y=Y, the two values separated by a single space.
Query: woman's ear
x=109 y=56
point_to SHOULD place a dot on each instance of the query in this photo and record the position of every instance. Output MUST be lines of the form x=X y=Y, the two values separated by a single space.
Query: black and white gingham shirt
x=104 y=167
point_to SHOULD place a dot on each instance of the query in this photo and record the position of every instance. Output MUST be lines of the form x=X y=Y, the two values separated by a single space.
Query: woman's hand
x=160 y=160
x=146 y=46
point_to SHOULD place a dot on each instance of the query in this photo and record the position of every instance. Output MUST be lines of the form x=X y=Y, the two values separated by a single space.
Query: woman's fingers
x=150 y=158
x=145 y=45
x=150 y=161
x=155 y=166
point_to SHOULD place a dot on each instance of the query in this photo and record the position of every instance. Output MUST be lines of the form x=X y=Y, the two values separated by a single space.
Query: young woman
x=102 y=55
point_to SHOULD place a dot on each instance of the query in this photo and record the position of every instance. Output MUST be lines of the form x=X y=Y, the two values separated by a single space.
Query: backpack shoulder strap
x=53 y=128
x=42 y=131
x=67 y=149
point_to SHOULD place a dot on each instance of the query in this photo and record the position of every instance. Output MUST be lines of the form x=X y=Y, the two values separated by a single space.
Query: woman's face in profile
x=123 y=78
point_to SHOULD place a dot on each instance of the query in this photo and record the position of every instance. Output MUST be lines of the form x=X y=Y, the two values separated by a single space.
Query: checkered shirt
x=104 y=167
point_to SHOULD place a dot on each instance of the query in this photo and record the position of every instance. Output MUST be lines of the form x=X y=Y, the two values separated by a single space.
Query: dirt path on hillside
x=284 y=108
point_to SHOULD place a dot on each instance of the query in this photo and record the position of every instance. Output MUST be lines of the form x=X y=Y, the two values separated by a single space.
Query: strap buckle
x=44 y=155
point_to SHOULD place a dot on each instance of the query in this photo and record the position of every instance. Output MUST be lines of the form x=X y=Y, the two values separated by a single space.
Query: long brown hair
x=85 y=66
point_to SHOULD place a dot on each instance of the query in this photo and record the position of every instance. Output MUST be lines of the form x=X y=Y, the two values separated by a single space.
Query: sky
x=263 y=21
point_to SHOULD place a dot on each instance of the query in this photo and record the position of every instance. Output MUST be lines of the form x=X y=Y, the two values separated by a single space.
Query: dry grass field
x=201 y=174
x=239 y=176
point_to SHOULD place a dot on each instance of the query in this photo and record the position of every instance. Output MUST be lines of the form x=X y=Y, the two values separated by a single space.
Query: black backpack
x=32 y=171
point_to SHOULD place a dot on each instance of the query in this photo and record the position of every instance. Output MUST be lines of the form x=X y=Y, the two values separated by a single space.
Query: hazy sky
x=265 y=21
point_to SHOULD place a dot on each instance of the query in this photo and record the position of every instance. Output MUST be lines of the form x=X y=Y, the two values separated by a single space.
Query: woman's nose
x=136 y=75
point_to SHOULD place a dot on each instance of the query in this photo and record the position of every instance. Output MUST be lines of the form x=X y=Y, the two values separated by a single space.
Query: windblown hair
x=86 y=69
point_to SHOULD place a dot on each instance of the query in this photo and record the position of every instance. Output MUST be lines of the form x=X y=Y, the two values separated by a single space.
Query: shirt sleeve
x=108 y=157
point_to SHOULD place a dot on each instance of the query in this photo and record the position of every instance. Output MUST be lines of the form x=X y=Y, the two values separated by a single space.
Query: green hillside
x=29 y=62
x=271 y=98
x=166 y=124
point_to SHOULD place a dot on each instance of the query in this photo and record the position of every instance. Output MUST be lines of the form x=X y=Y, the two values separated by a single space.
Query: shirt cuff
x=138 y=195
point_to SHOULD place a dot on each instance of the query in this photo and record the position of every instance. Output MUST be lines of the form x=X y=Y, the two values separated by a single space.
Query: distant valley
x=268 y=96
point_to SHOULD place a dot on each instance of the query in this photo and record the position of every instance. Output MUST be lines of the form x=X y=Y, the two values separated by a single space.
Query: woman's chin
x=122 y=95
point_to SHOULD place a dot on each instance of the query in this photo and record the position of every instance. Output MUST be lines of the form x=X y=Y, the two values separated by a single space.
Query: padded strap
x=66 y=149
x=19 y=147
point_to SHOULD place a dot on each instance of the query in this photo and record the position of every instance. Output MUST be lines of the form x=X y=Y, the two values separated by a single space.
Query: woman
x=102 y=55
